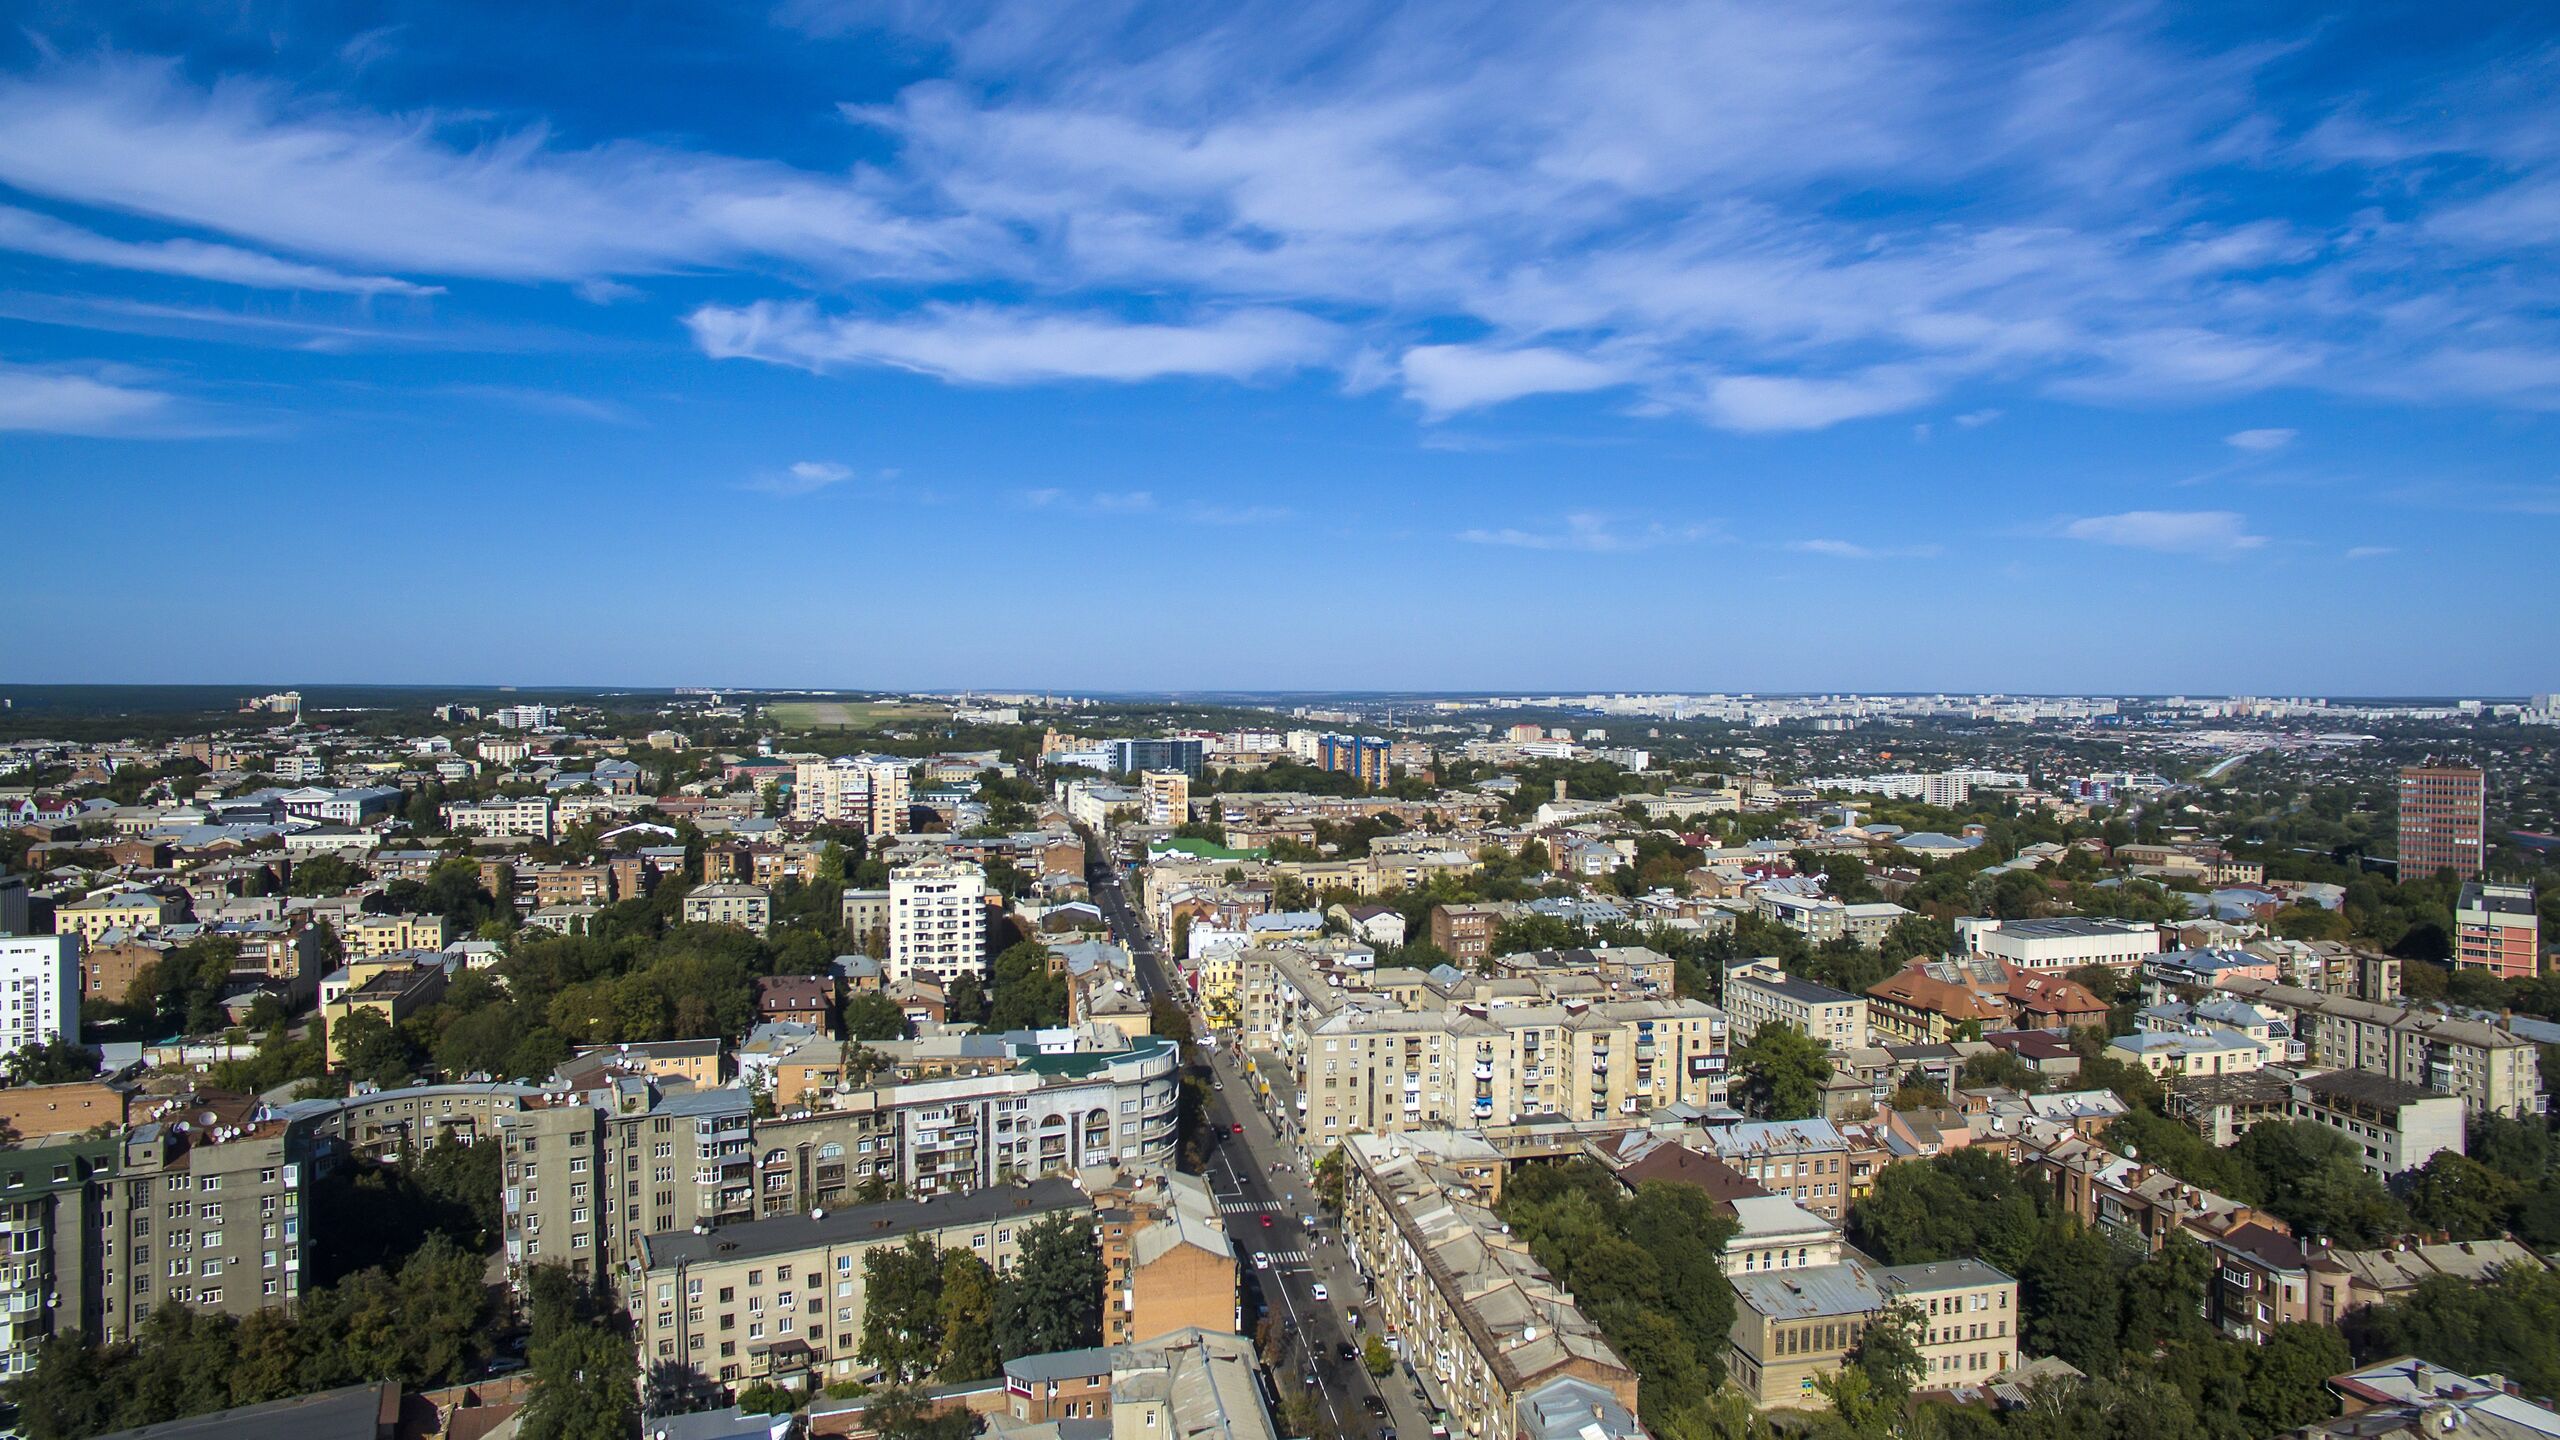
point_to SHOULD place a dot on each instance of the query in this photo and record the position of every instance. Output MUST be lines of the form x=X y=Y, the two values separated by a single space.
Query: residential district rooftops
x=354 y=1412
x=1934 y=1275
x=2363 y=1088
x=2070 y=927
x=1847 y=1288
x=785 y=1234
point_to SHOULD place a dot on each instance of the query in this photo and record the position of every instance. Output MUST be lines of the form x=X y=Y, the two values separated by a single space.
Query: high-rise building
x=2443 y=819
x=39 y=990
x=2495 y=928
x=937 y=922
x=1354 y=755
x=1128 y=756
x=1168 y=796
x=868 y=791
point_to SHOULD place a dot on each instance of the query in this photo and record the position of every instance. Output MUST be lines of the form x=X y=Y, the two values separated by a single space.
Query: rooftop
x=787 y=1234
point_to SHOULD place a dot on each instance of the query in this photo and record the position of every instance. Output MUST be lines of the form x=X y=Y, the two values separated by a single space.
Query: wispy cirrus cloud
x=801 y=477
x=59 y=401
x=2218 y=534
x=986 y=345
x=1595 y=533
x=1099 y=502
x=30 y=233
x=2259 y=442
x=1851 y=550
x=2369 y=552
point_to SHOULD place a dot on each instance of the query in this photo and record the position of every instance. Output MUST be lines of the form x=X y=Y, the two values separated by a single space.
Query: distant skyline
x=1820 y=347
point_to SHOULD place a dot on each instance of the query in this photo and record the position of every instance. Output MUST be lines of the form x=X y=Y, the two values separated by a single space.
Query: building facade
x=2443 y=820
x=39 y=990
x=2495 y=928
x=937 y=922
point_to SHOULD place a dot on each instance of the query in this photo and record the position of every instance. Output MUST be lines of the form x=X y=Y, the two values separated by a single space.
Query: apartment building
x=1465 y=932
x=1167 y=1261
x=133 y=911
x=39 y=990
x=2396 y=1126
x=529 y=817
x=869 y=792
x=937 y=922
x=1760 y=992
x=2495 y=928
x=1375 y=1066
x=1165 y=797
x=590 y=1172
x=392 y=987
x=1771 y=1232
x=1791 y=1328
x=203 y=1209
x=1968 y=1311
x=2488 y=1067
x=370 y=936
x=52 y=1203
x=749 y=907
x=1487 y=1330
x=780 y=1300
x=2061 y=943
x=1806 y=1161
x=2443 y=820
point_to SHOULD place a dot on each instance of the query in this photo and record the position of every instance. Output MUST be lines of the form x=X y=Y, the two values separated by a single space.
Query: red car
x=1266 y=1222
x=1239 y=1127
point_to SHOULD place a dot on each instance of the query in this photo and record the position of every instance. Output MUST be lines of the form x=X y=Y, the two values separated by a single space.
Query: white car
x=1318 y=1291
x=1261 y=1261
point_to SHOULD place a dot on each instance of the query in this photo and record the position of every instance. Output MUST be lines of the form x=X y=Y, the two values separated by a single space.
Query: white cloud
x=2370 y=552
x=2175 y=532
x=1758 y=403
x=427 y=193
x=1101 y=502
x=2259 y=441
x=1446 y=379
x=29 y=233
x=1976 y=419
x=802 y=477
x=986 y=345
x=1851 y=550
x=1240 y=514
x=1592 y=532
x=60 y=402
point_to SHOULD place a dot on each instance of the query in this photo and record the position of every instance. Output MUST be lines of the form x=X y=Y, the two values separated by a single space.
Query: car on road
x=1261 y=1260
x=1266 y=1222
x=1346 y=1352
x=1239 y=1127
x=1318 y=1291
x=1374 y=1405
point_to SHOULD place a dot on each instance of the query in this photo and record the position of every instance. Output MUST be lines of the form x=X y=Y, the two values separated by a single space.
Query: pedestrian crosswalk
x=1288 y=1257
x=1246 y=1207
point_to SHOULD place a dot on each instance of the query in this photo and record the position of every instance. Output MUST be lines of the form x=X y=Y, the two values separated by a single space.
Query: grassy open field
x=849 y=714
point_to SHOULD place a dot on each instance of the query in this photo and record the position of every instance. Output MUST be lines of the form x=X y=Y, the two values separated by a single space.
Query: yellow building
x=394 y=988
x=378 y=935
x=127 y=910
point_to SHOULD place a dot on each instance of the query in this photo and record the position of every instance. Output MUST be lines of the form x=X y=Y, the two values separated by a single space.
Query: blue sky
x=2128 y=347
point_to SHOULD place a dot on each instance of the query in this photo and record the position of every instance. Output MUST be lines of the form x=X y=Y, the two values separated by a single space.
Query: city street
x=1266 y=1213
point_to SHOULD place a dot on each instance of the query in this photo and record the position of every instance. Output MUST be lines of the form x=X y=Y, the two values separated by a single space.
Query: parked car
x=1346 y=1352
x=1374 y=1405
x=1319 y=1291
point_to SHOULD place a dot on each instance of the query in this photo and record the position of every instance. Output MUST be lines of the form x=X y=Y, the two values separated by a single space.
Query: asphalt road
x=1265 y=1214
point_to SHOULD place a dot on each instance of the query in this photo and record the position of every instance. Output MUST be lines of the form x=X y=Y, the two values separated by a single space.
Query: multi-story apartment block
x=2395 y=1126
x=2489 y=1067
x=1490 y=1333
x=1167 y=1261
x=1760 y=992
x=1370 y=1062
x=1135 y=756
x=1166 y=797
x=528 y=818
x=2443 y=820
x=589 y=1173
x=2061 y=943
x=395 y=988
x=866 y=921
x=1968 y=1312
x=376 y=935
x=2495 y=928
x=781 y=1300
x=1465 y=932
x=869 y=792
x=39 y=990
x=937 y=922
x=1806 y=1161
x=52 y=1277
x=204 y=1209
x=134 y=911
x=749 y=907
x=1358 y=756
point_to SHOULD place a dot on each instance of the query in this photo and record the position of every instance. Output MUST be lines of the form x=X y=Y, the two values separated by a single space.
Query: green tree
x=1376 y=1358
x=52 y=1062
x=902 y=1310
x=1783 y=1071
x=766 y=1398
x=2164 y=1297
x=2068 y=1291
x=586 y=1386
x=871 y=1015
x=1889 y=1351
x=968 y=1319
x=2289 y=1377
x=1052 y=1299
x=2461 y=1197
